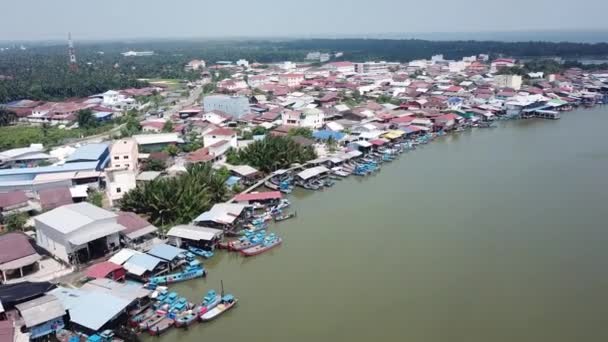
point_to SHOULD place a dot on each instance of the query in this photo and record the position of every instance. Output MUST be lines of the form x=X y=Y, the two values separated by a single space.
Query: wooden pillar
x=4 y=276
x=21 y=271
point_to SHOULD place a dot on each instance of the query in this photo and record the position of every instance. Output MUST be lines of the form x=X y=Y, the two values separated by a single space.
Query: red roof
x=9 y=199
x=222 y=132
x=102 y=270
x=7 y=331
x=258 y=196
x=14 y=246
x=131 y=221
x=403 y=119
x=377 y=142
x=449 y=116
x=55 y=197
x=200 y=155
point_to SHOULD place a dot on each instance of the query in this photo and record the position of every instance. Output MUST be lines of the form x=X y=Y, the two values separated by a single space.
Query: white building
x=219 y=135
x=291 y=80
x=124 y=155
x=508 y=81
x=437 y=58
x=195 y=64
x=242 y=63
x=138 y=53
x=374 y=67
x=310 y=118
x=116 y=100
x=341 y=67
x=78 y=232
x=119 y=182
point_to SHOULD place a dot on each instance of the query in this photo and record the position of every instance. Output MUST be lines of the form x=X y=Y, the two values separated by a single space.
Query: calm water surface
x=489 y=235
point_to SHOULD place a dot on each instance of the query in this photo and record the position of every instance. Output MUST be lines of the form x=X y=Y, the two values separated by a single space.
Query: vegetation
x=15 y=221
x=153 y=165
x=168 y=126
x=131 y=124
x=259 y=130
x=300 y=131
x=96 y=198
x=172 y=150
x=271 y=154
x=21 y=136
x=7 y=117
x=86 y=119
x=178 y=200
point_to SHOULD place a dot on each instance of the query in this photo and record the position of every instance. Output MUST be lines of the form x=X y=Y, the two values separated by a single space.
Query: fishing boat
x=328 y=183
x=338 y=171
x=162 y=326
x=228 y=302
x=269 y=243
x=200 y=252
x=210 y=301
x=247 y=242
x=283 y=217
x=187 y=318
x=152 y=321
x=193 y=271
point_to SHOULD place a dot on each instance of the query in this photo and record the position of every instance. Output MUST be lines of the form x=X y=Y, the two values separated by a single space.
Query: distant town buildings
x=137 y=53
x=237 y=106
x=195 y=64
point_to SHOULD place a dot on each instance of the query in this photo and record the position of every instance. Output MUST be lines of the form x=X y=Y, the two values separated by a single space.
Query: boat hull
x=260 y=249
x=217 y=311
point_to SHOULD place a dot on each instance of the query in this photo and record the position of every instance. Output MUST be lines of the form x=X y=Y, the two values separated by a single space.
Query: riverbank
x=487 y=235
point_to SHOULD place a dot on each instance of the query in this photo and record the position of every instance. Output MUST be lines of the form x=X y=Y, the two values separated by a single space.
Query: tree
x=15 y=221
x=86 y=119
x=168 y=126
x=178 y=200
x=332 y=144
x=172 y=150
x=300 y=131
x=271 y=154
x=7 y=117
x=154 y=165
x=259 y=130
x=96 y=198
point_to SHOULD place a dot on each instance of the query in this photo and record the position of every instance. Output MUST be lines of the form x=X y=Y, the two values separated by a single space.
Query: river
x=488 y=235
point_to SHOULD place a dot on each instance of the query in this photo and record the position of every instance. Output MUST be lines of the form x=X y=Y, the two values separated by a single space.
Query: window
x=125 y=157
x=116 y=157
x=117 y=166
x=127 y=165
x=118 y=190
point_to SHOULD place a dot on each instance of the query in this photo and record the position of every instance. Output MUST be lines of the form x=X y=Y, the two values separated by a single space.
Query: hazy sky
x=108 y=19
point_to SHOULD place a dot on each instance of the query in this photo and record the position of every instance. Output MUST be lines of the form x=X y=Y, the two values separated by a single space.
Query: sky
x=126 y=19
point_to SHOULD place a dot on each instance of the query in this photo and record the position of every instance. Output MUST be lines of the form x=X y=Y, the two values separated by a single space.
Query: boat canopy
x=312 y=172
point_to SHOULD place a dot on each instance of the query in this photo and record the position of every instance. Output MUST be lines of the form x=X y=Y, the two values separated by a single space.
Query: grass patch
x=23 y=136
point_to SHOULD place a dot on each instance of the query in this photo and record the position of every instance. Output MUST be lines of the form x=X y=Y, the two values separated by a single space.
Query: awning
x=195 y=233
x=21 y=262
x=313 y=172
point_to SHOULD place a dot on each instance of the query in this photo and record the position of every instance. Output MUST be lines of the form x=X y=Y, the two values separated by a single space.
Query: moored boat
x=201 y=252
x=228 y=302
x=283 y=217
x=161 y=326
x=152 y=321
x=193 y=271
x=187 y=318
x=210 y=301
x=135 y=320
x=269 y=243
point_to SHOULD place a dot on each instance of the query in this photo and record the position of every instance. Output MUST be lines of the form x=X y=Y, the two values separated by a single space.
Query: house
x=167 y=253
x=91 y=153
x=258 y=197
x=124 y=155
x=328 y=100
x=152 y=126
x=216 y=117
x=501 y=63
x=195 y=65
x=291 y=80
x=232 y=85
x=52 y=198
x=119 y=182
x=24 y=156
x=447 y=121
x=218 y=135
x=14 y=202
x=89 y=233
x=142 y=265
x=42 y=316
x=156 y=142
x=18 y=258
x=236 y=106
x=138 y=233
x=221 y=216
x=195 y=236
x=340 y=67
x=309 y=117
x=106 y=269
x=257 y=80
x=189 y=112
x=508 y=81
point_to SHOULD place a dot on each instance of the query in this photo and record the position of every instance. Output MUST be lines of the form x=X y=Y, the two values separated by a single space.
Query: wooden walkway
x=262 y=181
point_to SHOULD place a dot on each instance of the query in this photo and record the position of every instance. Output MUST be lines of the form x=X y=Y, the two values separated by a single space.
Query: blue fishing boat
x=201 y=252
x=210 y=301
x=193 y=270
x=228 y=302
x=247 y=241
x=187 y=318
x=271 y=241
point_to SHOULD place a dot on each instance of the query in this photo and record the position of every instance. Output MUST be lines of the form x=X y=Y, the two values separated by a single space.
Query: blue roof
x=82 y=166
x=166 y=252
x=90 y=309
x=90 y=152
x=144 y=260
x=325 y=135
x=232 y=180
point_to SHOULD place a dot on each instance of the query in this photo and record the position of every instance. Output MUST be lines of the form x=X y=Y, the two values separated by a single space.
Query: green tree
x=168 y=126
x=7 y=117
x=259 y=130
x=154 y=165
x=86 y=119
x=300 y=131
x=15 y=221
x=96 y=198
x=172 y=150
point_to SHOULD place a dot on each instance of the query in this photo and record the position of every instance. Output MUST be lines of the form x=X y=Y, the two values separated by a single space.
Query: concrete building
x=119 y=183
x=341 y=67
x=374 y=67
x=291 y=80
x=76 y=233
x=237 y=106
x=195 y=64
x=124 y=155
x=220 y=135
x=309 y=118
x=508 y=81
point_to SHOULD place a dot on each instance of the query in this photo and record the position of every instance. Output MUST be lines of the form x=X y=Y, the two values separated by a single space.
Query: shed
x=123 y=256
x=199 y=236
x=106 y=269
x=312 y=172
x=42 y=316
x=16 y=253
x=258 y=196
x=221 y=213
x=55 y=197
x=135 y=225
x=139 y=264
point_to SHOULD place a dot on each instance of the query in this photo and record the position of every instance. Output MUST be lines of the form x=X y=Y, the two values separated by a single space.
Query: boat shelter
x=106 y=269
x=143 y=265
x=131 y=291
x=17 y=257
x=313 y=173
x=258 y=197
x=221 y=215
x=91 y=311
x=42 y=316
x=200 y=237
x=167 y=253
x=138 y=233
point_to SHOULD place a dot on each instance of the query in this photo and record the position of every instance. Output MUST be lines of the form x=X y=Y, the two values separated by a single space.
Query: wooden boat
x=152 y=321
x=210 y=301
x=161 y=326
x=247 y=241
x=201 y=252
x=284 y=217
x=135 y=320
x=268 y=244
x=187 y=318
x=228 y=302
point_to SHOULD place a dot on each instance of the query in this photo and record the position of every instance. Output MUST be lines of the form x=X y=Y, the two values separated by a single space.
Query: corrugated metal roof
x=312 y=172
x=14 y=246
x=166 y=252
x=79 y=214
x=146 y=261
x=123 y=255
x=40 y=310
x=90 y=152
x=195 y=233
x=100 y=231
x=50 y=169
x=223 y=213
